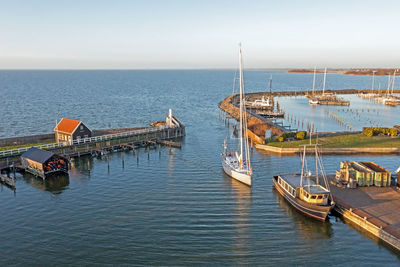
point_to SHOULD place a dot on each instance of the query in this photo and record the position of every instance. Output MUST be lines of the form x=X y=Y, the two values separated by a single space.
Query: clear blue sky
x=149 y=34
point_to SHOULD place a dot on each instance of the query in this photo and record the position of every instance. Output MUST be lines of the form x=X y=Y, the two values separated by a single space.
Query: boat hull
x=239 y=176
x=311 y=210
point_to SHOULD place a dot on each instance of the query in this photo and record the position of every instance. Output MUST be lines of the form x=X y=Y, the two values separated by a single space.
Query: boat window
x=325 y=196
x=319 y=197
x=313 y=196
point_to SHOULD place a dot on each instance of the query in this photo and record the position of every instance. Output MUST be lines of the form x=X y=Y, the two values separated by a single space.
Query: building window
x=81 y=127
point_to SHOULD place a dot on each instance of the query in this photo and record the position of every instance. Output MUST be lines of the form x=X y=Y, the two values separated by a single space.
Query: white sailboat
x=237 y=164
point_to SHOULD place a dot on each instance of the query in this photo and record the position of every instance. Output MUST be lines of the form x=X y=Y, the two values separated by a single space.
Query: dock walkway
x=374 y=209
x=157 y=133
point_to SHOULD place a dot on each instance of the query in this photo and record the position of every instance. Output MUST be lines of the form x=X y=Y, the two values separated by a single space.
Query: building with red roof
x=68 y=130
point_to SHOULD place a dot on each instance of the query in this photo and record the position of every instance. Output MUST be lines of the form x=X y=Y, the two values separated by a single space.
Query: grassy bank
x=344 y=141
x=2 y=148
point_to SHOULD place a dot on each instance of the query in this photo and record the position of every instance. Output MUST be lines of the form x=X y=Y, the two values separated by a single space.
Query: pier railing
x=88 y=140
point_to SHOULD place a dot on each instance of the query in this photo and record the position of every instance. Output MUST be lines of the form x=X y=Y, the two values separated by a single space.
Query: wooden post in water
x=108 y=163
x=123 y=160
x=88 y=167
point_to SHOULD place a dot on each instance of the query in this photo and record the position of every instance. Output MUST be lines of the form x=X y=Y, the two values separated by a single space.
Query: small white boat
x=313 y=102
x=237 y=165
x=260 y=103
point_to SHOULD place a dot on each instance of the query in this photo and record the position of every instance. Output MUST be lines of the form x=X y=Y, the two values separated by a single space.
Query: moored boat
x=260 y=103
x=237 y=165
x=304 y=192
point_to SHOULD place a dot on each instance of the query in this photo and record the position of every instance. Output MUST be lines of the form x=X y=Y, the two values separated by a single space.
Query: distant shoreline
x=380 y=72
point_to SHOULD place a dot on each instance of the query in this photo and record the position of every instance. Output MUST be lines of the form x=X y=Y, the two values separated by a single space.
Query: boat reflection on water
x=306 y=225
x=54 y=184
x=241 y=221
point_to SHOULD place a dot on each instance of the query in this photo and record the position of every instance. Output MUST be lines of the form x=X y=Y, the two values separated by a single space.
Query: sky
x=172 y=34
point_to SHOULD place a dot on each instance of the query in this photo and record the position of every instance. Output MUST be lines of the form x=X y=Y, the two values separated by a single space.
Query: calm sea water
x=172 y=207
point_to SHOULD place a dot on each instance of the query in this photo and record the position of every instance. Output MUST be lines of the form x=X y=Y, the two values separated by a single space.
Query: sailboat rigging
x=237 y=165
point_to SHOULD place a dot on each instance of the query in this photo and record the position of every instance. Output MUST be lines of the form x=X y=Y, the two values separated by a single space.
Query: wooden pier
x=104 y=144
x=372 y=209
x=8 y=181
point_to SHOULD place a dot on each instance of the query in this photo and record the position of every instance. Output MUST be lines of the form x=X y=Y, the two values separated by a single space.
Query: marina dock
x=100 y=145
x=257 y=125
x=373 y=209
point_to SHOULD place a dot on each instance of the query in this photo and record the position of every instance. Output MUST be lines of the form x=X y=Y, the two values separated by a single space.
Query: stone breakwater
x=256 y=126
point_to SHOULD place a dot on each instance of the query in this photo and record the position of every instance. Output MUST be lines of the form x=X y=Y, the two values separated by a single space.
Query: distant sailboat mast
x=373 y=80
x=394 y=76
x=323 y=89
x=270 y=85
x=313 y=84
x=388 y=87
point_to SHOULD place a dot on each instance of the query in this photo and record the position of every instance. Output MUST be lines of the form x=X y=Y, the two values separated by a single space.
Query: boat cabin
x=314 y=194
x=291 y=190
x=43 y=163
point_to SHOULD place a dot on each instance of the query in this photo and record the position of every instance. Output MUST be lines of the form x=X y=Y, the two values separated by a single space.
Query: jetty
x=370 y=208
x=163 y=134
x=258 y=125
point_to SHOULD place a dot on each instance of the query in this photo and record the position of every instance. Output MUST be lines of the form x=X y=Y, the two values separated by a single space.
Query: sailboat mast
x=394 y=76
x=302 y=166
x=388 y=87
x=373 y=80
x=313 y=83
x=270 y=85
x=316 y=164
x=323 y=89
x=241 y=102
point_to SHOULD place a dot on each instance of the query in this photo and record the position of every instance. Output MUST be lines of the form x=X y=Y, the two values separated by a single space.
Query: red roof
x=67 y=125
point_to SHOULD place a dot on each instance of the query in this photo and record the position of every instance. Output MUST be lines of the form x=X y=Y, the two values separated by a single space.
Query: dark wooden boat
x=312 y=200
x=304 y=192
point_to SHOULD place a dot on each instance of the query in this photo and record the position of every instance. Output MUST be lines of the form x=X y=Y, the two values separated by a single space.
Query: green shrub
x=301 y=135
x=393 y=132
x=368 y=132
x=288 y=135
x=371 y=131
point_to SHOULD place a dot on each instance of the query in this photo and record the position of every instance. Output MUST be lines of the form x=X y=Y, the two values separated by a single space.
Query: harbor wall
x=255 y=125
x=305 y=92
x=339 y=151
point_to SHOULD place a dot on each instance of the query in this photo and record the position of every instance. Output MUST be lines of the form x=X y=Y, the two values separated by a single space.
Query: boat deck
x=294 y=181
